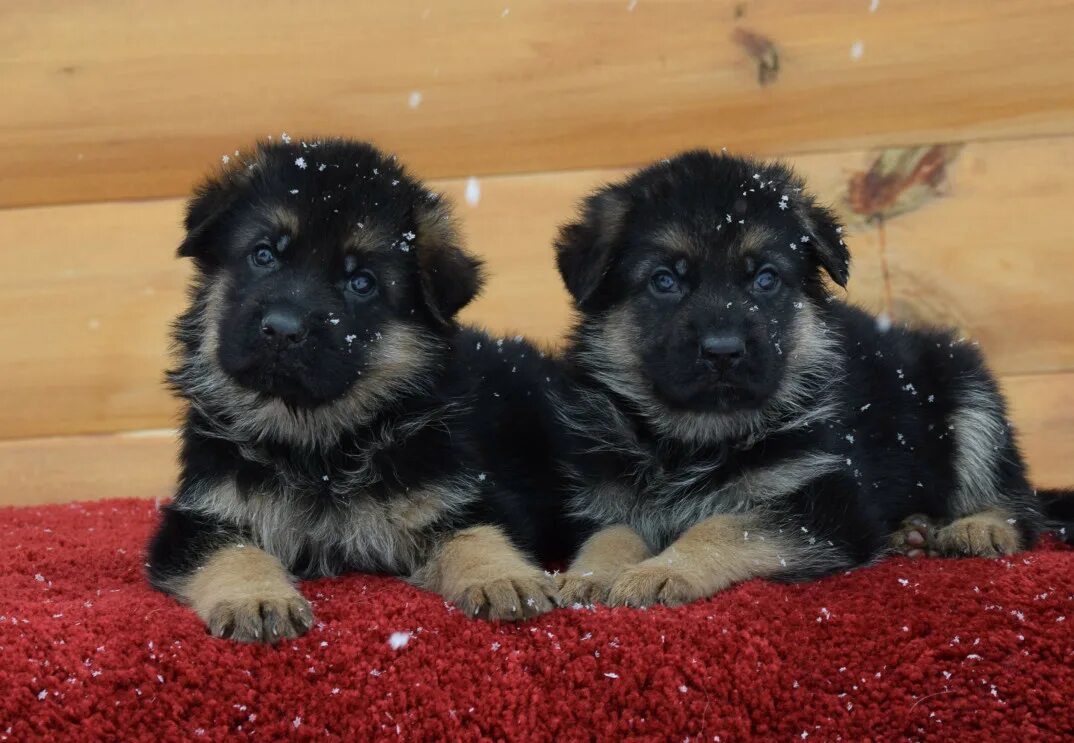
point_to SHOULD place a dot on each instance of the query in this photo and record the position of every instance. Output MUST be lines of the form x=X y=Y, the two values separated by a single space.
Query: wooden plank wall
x=944 y=134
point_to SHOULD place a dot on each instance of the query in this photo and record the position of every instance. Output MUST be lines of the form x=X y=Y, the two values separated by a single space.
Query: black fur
x=309 y=449
x=823 y=423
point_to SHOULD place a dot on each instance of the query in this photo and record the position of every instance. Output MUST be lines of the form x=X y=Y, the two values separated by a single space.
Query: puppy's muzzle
x=283 y=327
x=721 y=350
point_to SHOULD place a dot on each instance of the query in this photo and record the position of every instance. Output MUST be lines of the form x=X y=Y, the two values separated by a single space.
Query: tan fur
x=754 y=239
x=436 y=225
x=984 y=534
x=710 y=556
x=244 y=593
x=369 y=238
x=277 y=219
x=599 y=562
x=482 y=573
x=284 y=219
x=676 y=239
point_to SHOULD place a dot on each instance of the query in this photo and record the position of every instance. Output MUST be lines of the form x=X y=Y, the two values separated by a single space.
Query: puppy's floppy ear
x=204 y=211
x=584 y=249
x=449 y=276
x=828 y=246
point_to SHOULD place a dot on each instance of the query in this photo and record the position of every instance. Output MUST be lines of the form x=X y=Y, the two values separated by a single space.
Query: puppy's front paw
x=245 y=594
x=512 y=597
x=912 y=538
x=980 y=535
x=254 y=618
x=655 y=582
x=582 y=588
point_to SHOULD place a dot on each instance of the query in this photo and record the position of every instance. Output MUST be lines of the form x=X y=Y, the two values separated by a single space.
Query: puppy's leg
x=990 y=533
x=600 y=561
x=240 y=592
x=485 y=575
x=244 y=593
x=710 y=556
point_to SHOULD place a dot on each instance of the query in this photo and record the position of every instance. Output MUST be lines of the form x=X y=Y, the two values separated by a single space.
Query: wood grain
x=79 y=468
x=1040 y=406
x=991 y=254
x=120 y=100
x=142 y=465
x=87 y=293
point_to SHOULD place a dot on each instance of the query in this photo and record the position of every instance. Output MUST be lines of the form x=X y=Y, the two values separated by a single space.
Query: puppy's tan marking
x=369 y=238
x=436 y=224
x=986 y=534
x=754 y=239
x=602 y=558
x=283 y=219
x=244 y=593
x=275 y=218
x=710 y=556
x=482 y=573
x=676 y=239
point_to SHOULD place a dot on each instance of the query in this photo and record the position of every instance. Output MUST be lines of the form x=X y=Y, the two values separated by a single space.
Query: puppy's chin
x=709 y=392
x=717 y=397
x=295 y=387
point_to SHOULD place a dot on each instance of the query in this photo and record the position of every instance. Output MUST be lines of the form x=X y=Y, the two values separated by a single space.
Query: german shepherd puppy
x=337 y=419
x=733 y=420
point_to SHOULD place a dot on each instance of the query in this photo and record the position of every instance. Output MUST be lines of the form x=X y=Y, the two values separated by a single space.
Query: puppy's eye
x=263 y=256
x=766 y=280
x=362 y=283
x=664 y=281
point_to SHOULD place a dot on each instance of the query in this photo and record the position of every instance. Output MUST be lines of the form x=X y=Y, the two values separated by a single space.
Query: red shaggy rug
x=934 y=649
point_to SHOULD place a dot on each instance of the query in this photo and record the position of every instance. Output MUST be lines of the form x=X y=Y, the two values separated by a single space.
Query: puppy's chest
x=660 y=496
x=332 y=516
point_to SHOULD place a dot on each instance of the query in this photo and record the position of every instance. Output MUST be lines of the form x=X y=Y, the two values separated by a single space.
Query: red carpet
x=921 y=650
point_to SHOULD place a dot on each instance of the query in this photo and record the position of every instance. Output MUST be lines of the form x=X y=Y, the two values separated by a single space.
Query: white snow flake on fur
x=399 y=640
x=857 y=50
x=415 y=99
x=300 y=162
x=612 y=675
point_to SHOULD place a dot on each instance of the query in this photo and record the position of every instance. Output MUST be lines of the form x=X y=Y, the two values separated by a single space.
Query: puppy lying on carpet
x=734 y=421
x=337 y=419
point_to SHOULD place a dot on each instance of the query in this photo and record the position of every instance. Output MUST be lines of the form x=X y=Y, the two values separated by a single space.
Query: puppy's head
x=697 y=280
x=326 y=274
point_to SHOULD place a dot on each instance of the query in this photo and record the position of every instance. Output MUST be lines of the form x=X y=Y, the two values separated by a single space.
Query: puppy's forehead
x=723 y=241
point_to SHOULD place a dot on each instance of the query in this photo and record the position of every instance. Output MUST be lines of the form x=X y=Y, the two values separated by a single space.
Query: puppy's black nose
x=283 y=327
x=722 y=347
